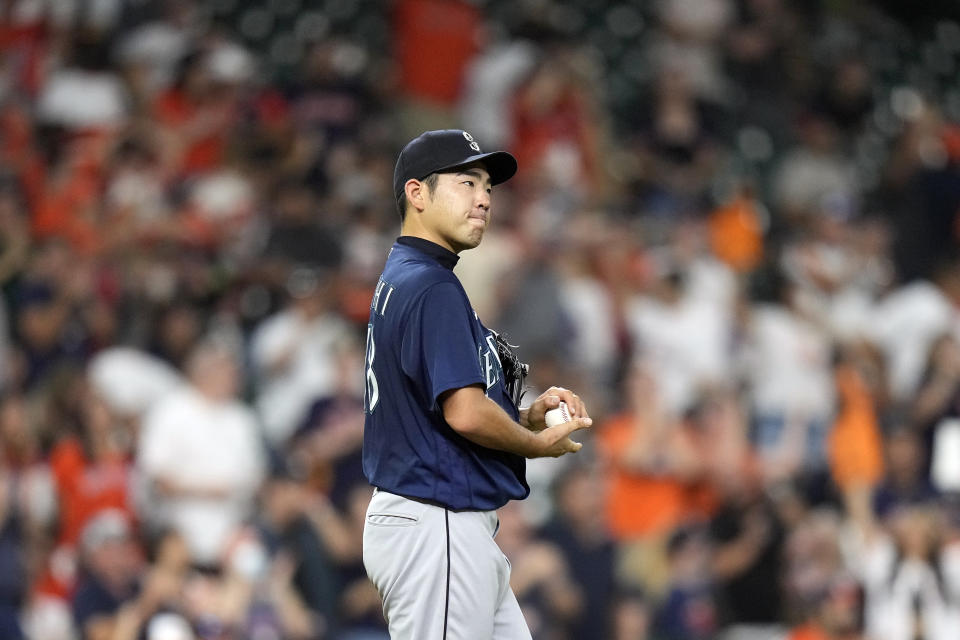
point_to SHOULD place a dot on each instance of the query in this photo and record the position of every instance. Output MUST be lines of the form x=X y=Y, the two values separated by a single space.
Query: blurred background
x=734 y=232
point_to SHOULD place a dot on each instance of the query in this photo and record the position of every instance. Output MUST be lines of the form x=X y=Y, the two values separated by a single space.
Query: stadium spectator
x=328 y=98
x=906 y=481
x=815 y=178
x=178 y=327
x=747 y=541
x=653 y=467
x=813 y=560
x=13 y=560
x=675 y=144
x=444 y=35
x=285 y=530
x=174 y=169
x=854 y=444
x=86 y=95
x=47 y=325
x=788 y=372
x=92 y=468
x=15 y=245
x=558 y=135
x=588 y=546
x=531 y=311
x=630 y=616
x=907 y=322
x=759 y=53
x=736 y=230
x=327 y=444
x=921 y=174
x=588 y=306
x=111 y=569
x=296 y=237
x=935 y=402
x=200 y=453
x=837 y=613
x=690 y=39
x=681 y=326
x=844 y=96
x=361 y=612
x=909 y=571
x=689 y=608
x=294 y=353
x=195 y=116
x=540 y=575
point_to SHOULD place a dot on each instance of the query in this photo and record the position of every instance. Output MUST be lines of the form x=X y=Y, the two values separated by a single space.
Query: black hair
x=430 y=181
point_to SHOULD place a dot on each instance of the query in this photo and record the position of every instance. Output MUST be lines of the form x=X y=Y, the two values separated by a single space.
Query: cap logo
x=473 y=144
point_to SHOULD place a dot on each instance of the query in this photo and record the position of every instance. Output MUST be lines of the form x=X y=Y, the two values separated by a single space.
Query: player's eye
x=469 y=183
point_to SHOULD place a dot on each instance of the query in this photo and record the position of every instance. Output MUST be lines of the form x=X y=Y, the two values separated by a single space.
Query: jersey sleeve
x=439 y=349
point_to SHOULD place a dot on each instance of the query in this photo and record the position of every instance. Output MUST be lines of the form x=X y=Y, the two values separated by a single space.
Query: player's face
x=459 y=208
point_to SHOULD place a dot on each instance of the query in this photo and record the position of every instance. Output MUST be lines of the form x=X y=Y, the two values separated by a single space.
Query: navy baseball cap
x=445 y=150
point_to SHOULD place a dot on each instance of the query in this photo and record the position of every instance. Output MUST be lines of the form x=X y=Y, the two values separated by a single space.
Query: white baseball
x=557 y=416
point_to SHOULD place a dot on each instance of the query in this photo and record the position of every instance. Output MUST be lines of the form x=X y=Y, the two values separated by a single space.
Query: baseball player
x=445 y=441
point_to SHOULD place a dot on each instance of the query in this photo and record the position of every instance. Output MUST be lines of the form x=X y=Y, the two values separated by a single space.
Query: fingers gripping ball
x=557 y=416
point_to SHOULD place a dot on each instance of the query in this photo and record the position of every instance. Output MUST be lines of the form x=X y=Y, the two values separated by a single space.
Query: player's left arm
x=532 y=416
x=473 y=415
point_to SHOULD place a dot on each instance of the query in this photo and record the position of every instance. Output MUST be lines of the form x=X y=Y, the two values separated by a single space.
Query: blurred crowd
x=734 y=232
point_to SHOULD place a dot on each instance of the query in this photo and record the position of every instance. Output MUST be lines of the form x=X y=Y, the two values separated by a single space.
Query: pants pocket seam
x=387 y=519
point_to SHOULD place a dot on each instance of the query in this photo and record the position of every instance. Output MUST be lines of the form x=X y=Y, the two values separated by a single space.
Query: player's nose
x=482 y=199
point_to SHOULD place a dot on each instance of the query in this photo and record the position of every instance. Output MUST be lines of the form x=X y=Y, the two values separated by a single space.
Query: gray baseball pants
x=440 y=574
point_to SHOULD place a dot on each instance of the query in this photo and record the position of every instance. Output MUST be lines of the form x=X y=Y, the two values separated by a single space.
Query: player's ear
x=416 y=192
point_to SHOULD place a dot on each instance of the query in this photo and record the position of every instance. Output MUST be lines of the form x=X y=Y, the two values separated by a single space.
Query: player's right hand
x=556 y=440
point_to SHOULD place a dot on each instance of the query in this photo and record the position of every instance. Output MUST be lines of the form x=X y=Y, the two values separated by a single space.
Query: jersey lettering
x=371 y=393
x=493 y=349
x=386 y=300
x=376 y=294
x=490 y=361
x=381 y=296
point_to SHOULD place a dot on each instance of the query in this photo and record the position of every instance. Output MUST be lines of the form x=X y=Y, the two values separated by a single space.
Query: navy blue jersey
x=424 y=339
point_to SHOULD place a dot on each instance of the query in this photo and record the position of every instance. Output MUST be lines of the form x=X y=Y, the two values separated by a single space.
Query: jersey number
x=372 y=392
